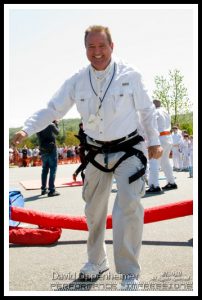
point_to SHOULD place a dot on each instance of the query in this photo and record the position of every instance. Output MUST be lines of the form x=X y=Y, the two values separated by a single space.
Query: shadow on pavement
x=146 y=195
x=36 y=197
x=188 y=243
x=19 y=246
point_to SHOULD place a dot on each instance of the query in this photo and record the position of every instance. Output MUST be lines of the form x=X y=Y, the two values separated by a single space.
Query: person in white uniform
x=176 y=155
x=109 y=96
x=191 y=156
x=164 y=126
x=185 y=152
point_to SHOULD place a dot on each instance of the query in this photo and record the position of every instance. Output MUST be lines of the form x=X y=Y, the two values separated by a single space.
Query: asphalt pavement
x=167 y=256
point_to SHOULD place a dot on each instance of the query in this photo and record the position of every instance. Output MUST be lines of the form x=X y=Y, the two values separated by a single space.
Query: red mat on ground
x=59 y=182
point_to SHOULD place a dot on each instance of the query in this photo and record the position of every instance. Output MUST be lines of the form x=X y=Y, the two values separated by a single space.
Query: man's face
x=98 y=50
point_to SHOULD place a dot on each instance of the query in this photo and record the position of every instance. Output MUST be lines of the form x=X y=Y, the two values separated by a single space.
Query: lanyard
x=101 y=99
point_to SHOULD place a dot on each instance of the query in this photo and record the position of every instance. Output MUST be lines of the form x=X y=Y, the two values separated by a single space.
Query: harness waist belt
x=114 y=142
x=127 y=147
x=165 y=133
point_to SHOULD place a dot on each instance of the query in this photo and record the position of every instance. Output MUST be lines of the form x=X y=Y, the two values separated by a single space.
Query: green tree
x=70 y=139
x=185 y=122
x=60 y=139
x=162 y=91
x=65 y=125
x=178 y=94
x=172 y=93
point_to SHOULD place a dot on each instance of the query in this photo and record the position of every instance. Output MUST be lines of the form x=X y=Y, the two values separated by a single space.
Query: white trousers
x=164 y=162
x=185 y=154
x=153 y=172
x=127 y=215
x=177 y=158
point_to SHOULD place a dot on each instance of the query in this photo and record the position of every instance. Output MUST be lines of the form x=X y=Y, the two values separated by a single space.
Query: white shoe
x=129 y=283
x=92 y=270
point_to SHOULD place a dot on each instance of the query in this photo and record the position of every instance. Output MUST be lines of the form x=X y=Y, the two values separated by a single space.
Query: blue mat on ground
x=15 y=199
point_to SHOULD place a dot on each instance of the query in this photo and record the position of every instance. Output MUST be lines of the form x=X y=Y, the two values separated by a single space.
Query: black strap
x=115 y=142
x=91 y=158
x=112 y=148
x=126 y=147
x=142 y=171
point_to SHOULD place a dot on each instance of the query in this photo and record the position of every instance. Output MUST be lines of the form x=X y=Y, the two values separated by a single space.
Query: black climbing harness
x=111 y=147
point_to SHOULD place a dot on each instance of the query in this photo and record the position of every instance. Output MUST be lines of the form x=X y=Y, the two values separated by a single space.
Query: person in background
x=25 y=156
x=81 y=150
x=176 y=155
x=11 y=160
x=164 y=126
x=35 y=155
x=185 y=152
x=190 y=153
x=109 y=94
x=49 y=157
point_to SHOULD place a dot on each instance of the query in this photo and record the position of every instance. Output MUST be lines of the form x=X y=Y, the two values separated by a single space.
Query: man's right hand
x=155 y=151
x=19 y=137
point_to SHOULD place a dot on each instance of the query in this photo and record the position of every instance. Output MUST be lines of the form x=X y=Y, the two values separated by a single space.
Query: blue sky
x=45 y=45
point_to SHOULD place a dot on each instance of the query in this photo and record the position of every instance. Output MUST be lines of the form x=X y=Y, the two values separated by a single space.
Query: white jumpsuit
x=164 y=125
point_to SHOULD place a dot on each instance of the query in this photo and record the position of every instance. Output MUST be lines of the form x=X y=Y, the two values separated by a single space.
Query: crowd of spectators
x=181 y=154
x=26 y=157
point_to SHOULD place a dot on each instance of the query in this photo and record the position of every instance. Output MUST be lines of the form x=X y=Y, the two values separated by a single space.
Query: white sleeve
x=57 y=107
x=147 y=112
x=149 y=123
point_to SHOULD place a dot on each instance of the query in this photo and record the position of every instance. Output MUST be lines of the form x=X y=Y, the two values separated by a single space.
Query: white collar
x=100 y=75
